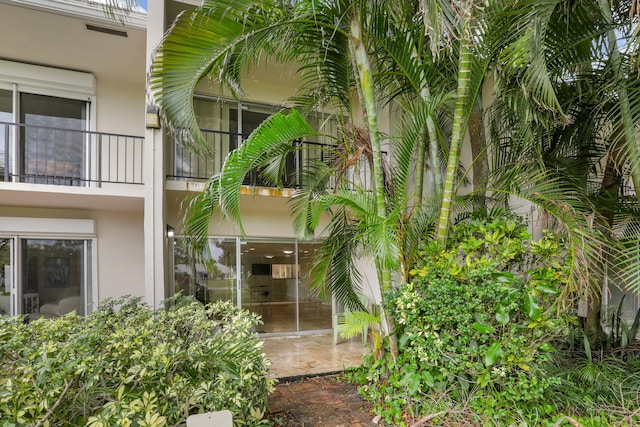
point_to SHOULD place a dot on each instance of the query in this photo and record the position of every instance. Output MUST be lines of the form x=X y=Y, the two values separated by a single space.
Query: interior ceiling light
x=105 y=30
x=287 y=252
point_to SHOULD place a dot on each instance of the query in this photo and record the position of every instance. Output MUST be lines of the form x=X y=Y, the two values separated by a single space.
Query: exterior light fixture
x=170 y=231
x=287 y=252
x=268 y=256
x=152 y=118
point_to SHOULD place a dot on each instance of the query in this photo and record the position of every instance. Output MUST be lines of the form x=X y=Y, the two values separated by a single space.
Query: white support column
x=154 y=210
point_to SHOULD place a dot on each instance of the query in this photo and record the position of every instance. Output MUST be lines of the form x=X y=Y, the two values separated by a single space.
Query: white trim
x=47 y=226
x=82 y=9
x=95 y=289
x=51 y=81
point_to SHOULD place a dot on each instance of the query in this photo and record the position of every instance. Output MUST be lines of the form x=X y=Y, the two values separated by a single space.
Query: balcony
x=187 y=165
x=68 y=157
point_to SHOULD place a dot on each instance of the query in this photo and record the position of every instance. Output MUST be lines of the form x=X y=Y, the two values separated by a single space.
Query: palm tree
x=566 y=159
x=385 y=49
x=221 y=38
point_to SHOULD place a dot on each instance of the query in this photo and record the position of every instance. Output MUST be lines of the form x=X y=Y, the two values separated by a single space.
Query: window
x=6 y=115
x=46 y=276
x=269 y=277
x=44 y=116
x=52 y=144
x=53 y=276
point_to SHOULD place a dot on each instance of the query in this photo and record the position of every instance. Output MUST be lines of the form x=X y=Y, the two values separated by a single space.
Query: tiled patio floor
x=312 y=354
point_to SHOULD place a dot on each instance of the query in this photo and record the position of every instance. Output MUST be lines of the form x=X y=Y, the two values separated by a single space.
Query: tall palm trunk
x=609 y=190
x=434 y=154
x=478 y=148
x=366 y=83
x=623 y=99
x=430 y=137
x=462 y=96
x=419 y=178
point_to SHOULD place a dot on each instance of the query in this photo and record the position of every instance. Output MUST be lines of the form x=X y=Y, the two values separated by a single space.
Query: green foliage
x=600 y=386
x=620 y=333
x=476 y=323
x=128 y=365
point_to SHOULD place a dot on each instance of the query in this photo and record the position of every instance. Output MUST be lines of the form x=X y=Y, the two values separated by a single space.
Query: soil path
x=319 y=401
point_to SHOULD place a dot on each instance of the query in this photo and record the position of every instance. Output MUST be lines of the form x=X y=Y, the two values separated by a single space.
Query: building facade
x=91 y=188
x=92 y=193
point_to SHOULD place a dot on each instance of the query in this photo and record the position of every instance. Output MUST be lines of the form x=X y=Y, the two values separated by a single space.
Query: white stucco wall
x=120 y=253
x=62 y=41
x=262 y=216
x=120 y=107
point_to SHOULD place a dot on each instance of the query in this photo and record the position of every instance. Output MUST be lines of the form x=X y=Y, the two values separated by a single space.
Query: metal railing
x=55 y=156
x=191 y=165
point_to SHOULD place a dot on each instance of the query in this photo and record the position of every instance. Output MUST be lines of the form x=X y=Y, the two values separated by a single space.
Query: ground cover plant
x=128 y=365
x=478 y=326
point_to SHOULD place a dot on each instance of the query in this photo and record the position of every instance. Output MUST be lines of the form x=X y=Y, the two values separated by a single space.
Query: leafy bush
x=476 y=324
x=128 y=365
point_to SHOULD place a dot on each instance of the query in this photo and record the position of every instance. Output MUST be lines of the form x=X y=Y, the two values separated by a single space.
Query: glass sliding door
x=269 y=277
x=54 y=148
x=269 y=283
x=54 y=277
x=218 y=121
x=211 y=277
x=315 y=314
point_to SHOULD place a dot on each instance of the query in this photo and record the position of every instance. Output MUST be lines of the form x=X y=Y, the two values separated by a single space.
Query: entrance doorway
x=266 y=276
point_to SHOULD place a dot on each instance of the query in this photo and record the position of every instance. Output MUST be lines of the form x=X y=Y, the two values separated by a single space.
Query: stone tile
x=311 y=354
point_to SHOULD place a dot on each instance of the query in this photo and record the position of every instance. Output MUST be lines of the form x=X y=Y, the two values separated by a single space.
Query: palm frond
x=571 y=213
x=335 y=268
x=353 y=323
x=201 y=41
x=418 y=227
x=272 y=139
x=305 y=207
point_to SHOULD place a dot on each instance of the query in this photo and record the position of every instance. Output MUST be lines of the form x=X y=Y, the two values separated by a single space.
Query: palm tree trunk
x=434 y=152
x=366 y=83
x=478 y=148
x=462 y=95
x=608 y=195
x=419 y=178
x=623 y=98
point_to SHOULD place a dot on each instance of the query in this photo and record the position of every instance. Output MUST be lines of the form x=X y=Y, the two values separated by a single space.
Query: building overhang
x=82 y=9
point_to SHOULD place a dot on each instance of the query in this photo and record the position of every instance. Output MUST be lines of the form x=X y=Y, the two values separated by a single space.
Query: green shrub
x=476 y=324
x=128 y=365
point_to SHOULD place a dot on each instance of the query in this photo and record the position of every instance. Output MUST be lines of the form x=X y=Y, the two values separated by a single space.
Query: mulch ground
x=319 y=401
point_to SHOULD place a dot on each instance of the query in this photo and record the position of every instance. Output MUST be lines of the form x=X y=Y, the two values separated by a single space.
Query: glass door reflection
x=209 y=277
x=6 y=274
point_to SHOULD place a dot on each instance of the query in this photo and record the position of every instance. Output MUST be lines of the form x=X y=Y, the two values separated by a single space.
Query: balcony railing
x=189 y=165
x=54 y=156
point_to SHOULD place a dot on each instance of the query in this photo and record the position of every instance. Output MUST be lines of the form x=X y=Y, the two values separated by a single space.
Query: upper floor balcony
x=227 y=123
x=69 y=157
x=188 y=165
